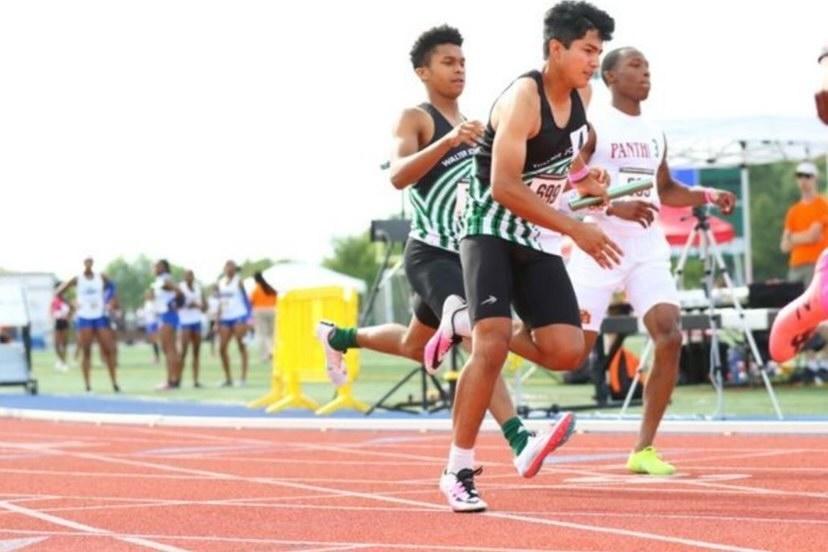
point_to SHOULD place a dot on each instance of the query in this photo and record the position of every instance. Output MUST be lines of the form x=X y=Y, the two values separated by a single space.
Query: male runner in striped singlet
x=536 y=128
x=433 y=147
x=631 y=148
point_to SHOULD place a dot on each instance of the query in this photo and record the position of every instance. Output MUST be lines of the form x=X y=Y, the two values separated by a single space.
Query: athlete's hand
x=596 y=244
x=595 y=184
x=725 y=201
x=467 y=132
x=642 y=212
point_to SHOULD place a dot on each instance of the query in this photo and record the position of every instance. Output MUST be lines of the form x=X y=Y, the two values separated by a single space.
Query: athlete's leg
x=652 y=292
x=184 y=337
x=108 y=343
x=663 y=322
x=85 y=336
x=195 y=339
x=60 y=345
x=167 y=338
x=225 y=332
x=546 y=302
x=797 y=321
x=240 y=331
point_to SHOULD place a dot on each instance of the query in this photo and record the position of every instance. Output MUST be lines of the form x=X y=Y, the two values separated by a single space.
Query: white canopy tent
x=286 y=276
x=741 y=142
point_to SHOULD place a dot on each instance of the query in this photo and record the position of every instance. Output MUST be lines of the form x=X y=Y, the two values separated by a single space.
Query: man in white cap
x=805 y=234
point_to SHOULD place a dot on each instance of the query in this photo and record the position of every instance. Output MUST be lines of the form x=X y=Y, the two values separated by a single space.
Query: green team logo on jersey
x=434 y=218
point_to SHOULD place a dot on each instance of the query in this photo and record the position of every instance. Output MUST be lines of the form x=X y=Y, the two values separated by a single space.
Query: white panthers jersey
x=90 y=296
x=630 y=148
x=190 y=314
x=232 y=303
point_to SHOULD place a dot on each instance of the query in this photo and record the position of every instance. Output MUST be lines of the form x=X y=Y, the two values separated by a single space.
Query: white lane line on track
x=88 y=529
x=380 y=545
x=439 y=508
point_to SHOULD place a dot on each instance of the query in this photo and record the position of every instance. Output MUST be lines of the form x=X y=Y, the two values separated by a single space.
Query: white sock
x=460 y=459
x=461 y=322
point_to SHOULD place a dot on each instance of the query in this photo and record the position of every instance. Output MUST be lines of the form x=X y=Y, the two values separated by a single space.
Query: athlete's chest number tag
x=548 y=187
x=628 y=176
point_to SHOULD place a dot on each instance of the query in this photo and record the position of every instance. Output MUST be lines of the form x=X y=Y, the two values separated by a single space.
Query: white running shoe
x=445 y=337
x=460 y=491
x=335 y=362
x=541 y=445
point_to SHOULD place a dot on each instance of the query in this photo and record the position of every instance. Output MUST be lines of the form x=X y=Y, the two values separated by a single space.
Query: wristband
x=710 y=195
x=579 y=175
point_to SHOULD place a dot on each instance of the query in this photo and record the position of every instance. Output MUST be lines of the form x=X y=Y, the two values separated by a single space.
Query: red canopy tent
x=678 y=222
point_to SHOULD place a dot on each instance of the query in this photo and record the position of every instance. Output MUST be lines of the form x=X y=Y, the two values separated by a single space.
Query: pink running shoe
x=445 y=337
x=796 y=322
x=541 y=445
x=334 y=360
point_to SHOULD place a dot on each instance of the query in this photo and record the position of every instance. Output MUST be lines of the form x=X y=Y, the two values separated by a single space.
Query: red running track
x=85 y=487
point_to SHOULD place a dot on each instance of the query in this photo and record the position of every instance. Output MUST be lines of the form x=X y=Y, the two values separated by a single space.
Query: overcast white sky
x=203 y=130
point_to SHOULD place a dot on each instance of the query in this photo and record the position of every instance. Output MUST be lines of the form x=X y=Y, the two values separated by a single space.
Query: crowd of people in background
x=175 y=318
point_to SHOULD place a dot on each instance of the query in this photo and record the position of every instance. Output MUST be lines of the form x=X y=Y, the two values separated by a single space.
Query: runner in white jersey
x=167 y=299
x=190 y=318
x=234 y=312
x=91 y=321
x=630 y=148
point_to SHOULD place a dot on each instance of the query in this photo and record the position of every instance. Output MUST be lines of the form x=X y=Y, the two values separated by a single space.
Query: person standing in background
x=60 y=311
x=805 y=233
x=213 y=303
x=189 y=318
x=91 y=322
x=263 y=300
x=233 y=313
x=149 y=318
x=167 y=301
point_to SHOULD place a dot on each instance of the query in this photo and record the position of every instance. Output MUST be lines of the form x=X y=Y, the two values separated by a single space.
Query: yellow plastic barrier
x=298 y=356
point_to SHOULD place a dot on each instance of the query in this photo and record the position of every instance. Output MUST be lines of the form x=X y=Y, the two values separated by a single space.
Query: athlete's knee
x=491 y=350
x=667 y=334
x=569 y=356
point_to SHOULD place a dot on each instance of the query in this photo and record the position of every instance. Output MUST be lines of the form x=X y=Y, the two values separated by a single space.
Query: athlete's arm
x=806 y=237
x=675 y=194
x=598 y=180
x=516 y=115
x=408 y=162
x=66 y=285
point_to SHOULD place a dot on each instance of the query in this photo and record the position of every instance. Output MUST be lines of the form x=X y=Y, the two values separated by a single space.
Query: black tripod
x=391 y=232
x=712 y=260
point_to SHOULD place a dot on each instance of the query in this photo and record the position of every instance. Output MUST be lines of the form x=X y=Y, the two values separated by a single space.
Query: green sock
x=516 y=434
x=343 y=339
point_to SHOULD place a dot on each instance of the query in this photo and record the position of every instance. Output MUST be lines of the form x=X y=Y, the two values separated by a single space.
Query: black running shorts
x=434 y=274
x=500 y=273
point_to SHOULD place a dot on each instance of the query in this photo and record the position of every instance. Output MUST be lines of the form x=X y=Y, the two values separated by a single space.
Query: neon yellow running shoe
x=649 y=461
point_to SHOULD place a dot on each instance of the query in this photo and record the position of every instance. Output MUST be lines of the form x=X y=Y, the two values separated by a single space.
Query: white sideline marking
x=17 y=544
x=380 y=545
x=86 y=528
x=416 y=503
x=417 y=424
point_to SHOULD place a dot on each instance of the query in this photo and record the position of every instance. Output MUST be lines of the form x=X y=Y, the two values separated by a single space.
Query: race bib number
x=549 y=187
x=629 y=175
